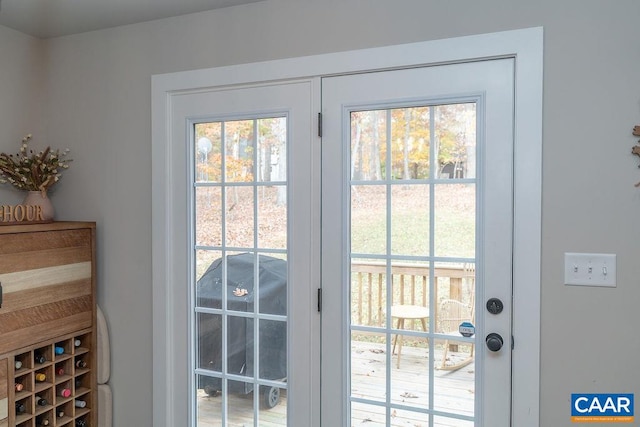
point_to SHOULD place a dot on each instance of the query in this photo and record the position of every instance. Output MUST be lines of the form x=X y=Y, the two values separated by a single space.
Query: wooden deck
x=453 y=392
x=240 y=411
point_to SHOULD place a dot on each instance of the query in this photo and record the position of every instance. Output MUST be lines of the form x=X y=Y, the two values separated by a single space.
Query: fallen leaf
x=409 y=395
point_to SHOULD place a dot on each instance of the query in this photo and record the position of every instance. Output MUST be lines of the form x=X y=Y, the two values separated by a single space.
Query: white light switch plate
x=590 y=269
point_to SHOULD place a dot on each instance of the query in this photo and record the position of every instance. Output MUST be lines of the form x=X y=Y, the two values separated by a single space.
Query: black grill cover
x=272 y=291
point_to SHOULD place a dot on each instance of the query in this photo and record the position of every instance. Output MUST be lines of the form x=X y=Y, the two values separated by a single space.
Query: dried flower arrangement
x=31 y=171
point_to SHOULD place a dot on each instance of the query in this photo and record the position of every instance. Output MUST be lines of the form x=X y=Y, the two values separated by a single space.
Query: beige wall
x=99 y=104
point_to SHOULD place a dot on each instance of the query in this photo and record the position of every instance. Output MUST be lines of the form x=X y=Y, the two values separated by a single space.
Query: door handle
x=495 y=306
x=494 y=341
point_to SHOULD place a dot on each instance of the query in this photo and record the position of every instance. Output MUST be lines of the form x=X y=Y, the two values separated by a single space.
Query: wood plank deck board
x=453 y=393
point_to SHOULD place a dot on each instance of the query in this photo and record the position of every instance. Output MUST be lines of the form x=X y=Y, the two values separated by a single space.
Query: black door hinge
x=320 y=125
x=319 y=300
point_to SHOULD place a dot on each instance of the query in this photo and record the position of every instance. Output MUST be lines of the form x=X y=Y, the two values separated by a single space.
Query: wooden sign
x=20 y=214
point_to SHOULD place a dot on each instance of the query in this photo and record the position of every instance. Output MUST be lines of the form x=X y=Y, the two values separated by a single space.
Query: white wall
x=21 y=97
x=99 y=104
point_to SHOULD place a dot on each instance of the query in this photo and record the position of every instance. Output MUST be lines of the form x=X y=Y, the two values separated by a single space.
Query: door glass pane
x=412 y=281
x=209 y=345
x=402 y=418
x=368 y=292
x=451 y=422
x=239 y=146
x=410 y=219
x=454 y=380
x=368 y=415
x=455 y=136
x=272 y=150
x=368 y=145
x=369 y=361
x=209 y=405
x=239 y=406
x=454 y=220
x=368 y=219
x=272 y=282
x=272 y=216
x=239 y=216
x=208 y=219
x=240 y=268
x=410 y=142
x=208 y=149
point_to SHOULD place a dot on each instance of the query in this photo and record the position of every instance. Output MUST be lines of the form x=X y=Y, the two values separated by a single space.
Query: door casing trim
x=525 y=46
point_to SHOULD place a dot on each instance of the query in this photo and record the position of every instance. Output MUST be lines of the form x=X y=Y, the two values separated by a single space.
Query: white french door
x=417 y=205
x=247 y=197
x=420 y=176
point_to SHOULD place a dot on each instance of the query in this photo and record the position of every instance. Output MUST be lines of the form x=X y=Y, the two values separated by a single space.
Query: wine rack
x=52 y=382
x=48 y=371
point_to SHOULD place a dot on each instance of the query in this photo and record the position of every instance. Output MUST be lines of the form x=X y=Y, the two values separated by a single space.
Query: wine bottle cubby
x=48 y=325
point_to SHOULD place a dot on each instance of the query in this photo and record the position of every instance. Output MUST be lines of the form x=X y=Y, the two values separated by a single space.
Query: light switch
x=590 y=269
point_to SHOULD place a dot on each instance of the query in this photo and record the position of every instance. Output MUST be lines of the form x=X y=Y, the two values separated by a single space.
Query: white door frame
x=526 y=46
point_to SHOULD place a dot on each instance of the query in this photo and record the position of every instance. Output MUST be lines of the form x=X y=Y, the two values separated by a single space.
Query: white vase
x=39 y=198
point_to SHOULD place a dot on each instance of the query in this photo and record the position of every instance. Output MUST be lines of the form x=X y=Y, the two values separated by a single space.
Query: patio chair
x=452 y=314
